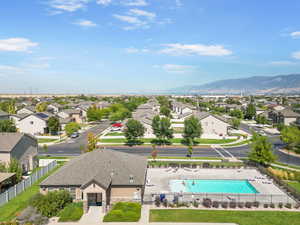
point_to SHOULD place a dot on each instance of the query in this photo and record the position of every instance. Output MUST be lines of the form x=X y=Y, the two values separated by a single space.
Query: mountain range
x=280 y=84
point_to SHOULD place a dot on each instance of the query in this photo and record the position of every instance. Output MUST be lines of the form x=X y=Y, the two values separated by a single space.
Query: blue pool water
x=213 y=186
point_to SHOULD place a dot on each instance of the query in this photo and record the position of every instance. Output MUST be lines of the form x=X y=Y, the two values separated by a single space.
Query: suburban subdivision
x=150 y=159
x=149 y=112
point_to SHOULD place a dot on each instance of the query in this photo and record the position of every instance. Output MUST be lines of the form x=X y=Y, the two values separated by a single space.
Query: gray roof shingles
x=102 y=166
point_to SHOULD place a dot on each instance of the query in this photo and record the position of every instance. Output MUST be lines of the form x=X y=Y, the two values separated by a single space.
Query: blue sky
x=102 y=46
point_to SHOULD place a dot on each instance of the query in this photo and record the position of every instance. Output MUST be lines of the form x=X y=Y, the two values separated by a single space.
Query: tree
x=7 y=126
x=53 y=125
x=165 y=111
x=237 y=113
x=133 y=131
x=261 y=150
x=15 y=167
x=71 y=128
x=154 y=152
x=190 y=151
x=192 y=130
x=92 y=142
x=291 y=136
x=250 y=112
x=235 y=123
x=41 y=107
x=95 y=114
x=261 y=119
x=162 y=129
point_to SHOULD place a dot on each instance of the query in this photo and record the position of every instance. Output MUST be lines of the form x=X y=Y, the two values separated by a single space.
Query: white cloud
x=178 y=3
x=134 y=22
x=135 y=2
x=296 y=55
x=176 y=68
x=139 y=12
x=282 y=63
x=9 y=69
x=196 y=49
x=68 y=5
x=16 y=45
x=295 y=34
x=133 y=50
x=85 y=23
x=104 y=2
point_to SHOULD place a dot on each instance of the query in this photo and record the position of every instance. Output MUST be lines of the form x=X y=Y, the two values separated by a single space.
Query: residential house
x=179 y=108
x=5 y=179
x=4 y=115
x=16 y=118
x=35 y=123
x=26 y=110
x=145 y=117
x=101 y=177
x=74 y=114
x=54 y=108
x=212 y=125
x=22 y=147
x=259 y=111
x=285 y=116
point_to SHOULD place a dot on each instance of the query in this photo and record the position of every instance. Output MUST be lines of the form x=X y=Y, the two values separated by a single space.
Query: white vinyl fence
x=24 y=184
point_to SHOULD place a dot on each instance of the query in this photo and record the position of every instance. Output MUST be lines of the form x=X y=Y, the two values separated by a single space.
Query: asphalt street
x=72 y=148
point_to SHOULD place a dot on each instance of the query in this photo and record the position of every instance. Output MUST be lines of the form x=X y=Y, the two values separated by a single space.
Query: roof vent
x=131 y=180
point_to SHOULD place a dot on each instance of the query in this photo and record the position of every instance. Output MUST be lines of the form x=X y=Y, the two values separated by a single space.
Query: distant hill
x=257 y=84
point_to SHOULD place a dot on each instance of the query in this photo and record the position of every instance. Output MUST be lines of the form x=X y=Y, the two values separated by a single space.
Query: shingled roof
x=9 y=140
x=104 y=167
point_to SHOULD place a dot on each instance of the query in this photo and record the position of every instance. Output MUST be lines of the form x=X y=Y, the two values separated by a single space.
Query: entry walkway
x=94 y=216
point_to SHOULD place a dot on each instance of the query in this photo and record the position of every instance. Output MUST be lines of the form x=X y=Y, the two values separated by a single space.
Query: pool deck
x=158 y=182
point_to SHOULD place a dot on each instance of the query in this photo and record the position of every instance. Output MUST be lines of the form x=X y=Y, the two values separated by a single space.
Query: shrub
x=224 y=205
x=256 y=204
x=215 y=204
x=248 y=205
x=207 y=203
x=165 y=202
x=232 y=205
x=280 y=205
x=297 y=206
x=266 y=205
x=124 y=212
x=71 y=212
x=157 y=201
x=196 y=204
x=272 y=205
x=241 y=205
x=50 y=204
x=288 y=205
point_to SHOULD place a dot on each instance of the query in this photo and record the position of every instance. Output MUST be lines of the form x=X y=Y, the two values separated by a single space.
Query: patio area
x=158 y=182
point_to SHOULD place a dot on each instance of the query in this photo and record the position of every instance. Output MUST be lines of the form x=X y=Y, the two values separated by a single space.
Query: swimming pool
x=213 y=186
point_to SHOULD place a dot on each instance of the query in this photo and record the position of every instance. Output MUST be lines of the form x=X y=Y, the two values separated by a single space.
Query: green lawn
x=72 y=212
x=19 y=203
x=174 y=140
x=124 y=212
x=167 y=163
x=216 y=216
x=46 y=140
x=187 y=158
x=237 y=144
x=114 y=134
x=294 y=184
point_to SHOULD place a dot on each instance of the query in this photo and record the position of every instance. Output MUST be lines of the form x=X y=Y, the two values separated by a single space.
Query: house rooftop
x=104 y=167
x=9 y=140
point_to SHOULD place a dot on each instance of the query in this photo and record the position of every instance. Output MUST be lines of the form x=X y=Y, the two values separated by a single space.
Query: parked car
x=74 y=135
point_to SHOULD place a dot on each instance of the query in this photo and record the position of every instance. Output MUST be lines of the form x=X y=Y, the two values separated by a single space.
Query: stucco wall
x=125 y=193
x=26 y=151
x=4 y=157
x=32 y=125
x=212 y=125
